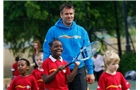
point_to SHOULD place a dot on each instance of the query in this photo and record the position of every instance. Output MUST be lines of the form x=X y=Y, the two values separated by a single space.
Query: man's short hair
x=65 y=5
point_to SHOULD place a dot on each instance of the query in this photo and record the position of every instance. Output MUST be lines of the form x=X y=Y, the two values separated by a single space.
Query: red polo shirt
x=59 y=82
x=113 y=82
x=37 y=74
x=23 y=83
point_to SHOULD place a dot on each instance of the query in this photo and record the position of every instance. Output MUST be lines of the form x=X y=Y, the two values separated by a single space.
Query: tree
x=26 y=21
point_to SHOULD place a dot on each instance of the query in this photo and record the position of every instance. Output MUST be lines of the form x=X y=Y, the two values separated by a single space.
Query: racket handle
x=68 y=64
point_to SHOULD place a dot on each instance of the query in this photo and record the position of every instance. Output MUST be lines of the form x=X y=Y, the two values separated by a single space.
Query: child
x=111 y=79
x=14 y=68
x=23 y=81
x=37 y=72
x=55 y=75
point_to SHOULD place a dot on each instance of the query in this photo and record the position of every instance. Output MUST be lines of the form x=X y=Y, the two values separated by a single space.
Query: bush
x=128 y=62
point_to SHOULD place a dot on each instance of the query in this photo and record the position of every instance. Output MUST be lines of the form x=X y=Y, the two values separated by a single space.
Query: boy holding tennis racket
x=55 y=75
x=111 y=79
x=23 y=81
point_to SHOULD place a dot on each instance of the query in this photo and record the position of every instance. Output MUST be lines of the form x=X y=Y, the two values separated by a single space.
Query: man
x=73 y=38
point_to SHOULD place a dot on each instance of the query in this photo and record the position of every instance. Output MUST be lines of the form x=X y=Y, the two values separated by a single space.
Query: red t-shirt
x=37 y=74
x=23 y=83
x=59 y=82
x=14 y=69
x=112 y=82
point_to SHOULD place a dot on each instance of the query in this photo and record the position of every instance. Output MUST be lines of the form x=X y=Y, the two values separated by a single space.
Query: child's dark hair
x=27 y=62
x=51 y=43
x=17 y=58
x=65 y=5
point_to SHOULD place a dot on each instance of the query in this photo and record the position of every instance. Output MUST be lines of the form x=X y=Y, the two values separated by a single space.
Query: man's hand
x=90 y=78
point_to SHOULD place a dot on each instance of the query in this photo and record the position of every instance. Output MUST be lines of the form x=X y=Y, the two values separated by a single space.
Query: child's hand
x=77 y=63
x=60 y=68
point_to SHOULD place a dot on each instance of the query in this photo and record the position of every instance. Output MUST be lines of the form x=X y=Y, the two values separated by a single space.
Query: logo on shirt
x=114 y=86
x=19 y=86
x=52 y=70
x=28 y=87
x=66 y=36
x=40 y=80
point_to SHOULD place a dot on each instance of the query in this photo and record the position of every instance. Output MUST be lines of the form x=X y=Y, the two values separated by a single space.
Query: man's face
x=67 y=16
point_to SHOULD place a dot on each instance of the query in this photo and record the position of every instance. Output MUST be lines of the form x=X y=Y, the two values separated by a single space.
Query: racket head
x=96 y=46
x=89 y=50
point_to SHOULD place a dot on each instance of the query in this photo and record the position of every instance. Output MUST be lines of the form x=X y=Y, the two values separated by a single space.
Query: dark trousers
x=79 y=82
x=98 y=74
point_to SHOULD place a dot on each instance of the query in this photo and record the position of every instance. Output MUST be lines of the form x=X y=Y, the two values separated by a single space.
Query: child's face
x=39 y=60
x=112 y=67
x=22 y=67
x=56 y=49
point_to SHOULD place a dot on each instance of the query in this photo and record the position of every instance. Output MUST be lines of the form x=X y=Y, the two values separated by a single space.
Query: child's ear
x=28 y=67
x=106 y=65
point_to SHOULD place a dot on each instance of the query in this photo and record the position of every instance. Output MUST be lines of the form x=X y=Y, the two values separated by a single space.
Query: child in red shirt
x=23 y=81
x=55 y=75
x=111 y=79
x=37 y=72
x=14 y=68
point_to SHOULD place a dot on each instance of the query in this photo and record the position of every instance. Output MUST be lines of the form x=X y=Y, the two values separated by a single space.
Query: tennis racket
x=87 y=52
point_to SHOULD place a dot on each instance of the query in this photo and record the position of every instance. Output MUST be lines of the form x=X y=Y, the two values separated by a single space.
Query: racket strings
x=89 y=51
x=86 y=53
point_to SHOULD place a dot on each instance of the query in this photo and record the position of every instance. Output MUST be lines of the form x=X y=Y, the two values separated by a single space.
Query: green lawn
x=132 y=83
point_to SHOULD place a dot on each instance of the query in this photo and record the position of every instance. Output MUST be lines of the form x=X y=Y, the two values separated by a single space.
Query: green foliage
x=34 y=11
x=128 y=62
x=132 y=31
x=26 y=21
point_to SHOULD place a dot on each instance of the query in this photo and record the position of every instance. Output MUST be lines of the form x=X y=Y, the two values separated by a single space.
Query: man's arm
x=89 y=63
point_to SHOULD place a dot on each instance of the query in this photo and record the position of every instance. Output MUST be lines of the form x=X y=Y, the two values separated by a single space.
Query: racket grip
x=68 y=64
